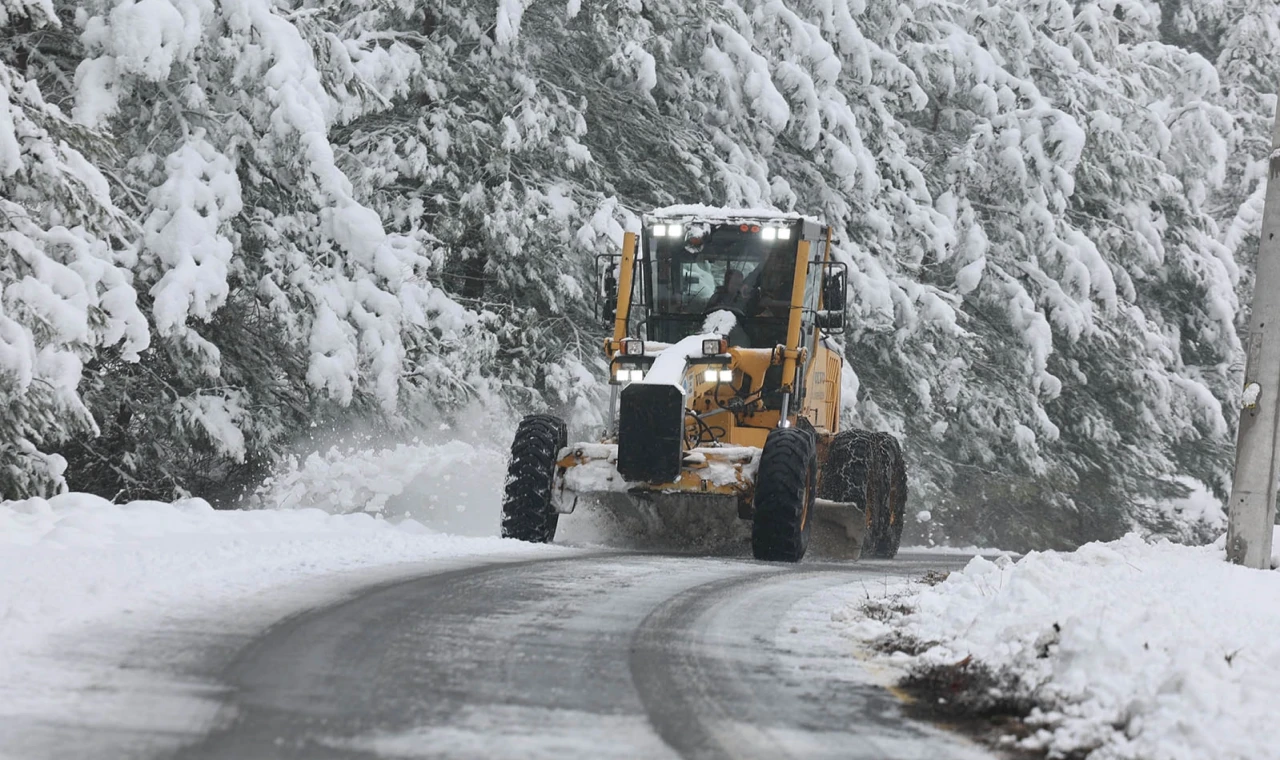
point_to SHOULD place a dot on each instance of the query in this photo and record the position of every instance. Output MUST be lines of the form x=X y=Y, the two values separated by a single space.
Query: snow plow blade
x=708 y=506
x=591 y=470
x=838 y=530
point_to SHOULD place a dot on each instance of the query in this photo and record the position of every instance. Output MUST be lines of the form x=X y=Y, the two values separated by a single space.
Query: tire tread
x=527 y=514
x=787 y=464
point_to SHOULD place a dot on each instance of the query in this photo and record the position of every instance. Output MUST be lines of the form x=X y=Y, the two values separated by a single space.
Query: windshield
x=721 y=267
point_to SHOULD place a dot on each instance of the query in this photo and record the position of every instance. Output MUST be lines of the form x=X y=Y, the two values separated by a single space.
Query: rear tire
x=786 y=485
x=527 y=513
x=887 y=493
x=868 y=470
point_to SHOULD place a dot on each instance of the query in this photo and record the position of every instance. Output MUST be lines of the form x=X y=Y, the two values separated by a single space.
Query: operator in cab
x=731 y=294
x=772 y=282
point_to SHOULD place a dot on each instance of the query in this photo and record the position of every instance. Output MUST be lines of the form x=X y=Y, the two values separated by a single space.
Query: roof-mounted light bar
x=767 y=233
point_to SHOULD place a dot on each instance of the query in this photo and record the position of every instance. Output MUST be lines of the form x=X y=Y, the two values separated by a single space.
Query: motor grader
x=725 y=388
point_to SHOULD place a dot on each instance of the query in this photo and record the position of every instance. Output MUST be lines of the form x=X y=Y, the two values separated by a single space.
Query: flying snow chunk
x=720 y=322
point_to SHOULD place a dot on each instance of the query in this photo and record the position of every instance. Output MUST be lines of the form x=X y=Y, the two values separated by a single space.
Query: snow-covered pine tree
x=1241 y=38
x=66 y=296
x=480 y=159
x=1085 y=166
x=280 y=302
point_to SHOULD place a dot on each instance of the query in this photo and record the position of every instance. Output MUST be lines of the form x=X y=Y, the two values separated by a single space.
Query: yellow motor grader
x=726 y=386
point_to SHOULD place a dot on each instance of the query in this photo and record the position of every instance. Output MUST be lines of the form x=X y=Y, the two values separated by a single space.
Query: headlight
x=633 y=347
x=659 y=230
x=627 y=373
x=726 y=376
x=675 y=230
x=710 y=375
x=769 y=233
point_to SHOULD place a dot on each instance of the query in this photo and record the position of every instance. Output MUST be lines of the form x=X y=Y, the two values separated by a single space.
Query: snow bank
x=1131 y=650
x=86 y=580
x=71 y=558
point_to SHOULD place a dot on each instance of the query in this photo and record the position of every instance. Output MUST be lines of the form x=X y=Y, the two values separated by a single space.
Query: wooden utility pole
x=1252 y=509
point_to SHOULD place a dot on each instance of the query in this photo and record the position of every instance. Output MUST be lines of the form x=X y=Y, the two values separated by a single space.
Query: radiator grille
x=650 y=433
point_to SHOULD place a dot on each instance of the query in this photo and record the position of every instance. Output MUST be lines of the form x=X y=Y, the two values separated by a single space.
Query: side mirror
x=607 y=292
x=609 y=296
x=831 y=321
x=833 y=290
x=835 y=294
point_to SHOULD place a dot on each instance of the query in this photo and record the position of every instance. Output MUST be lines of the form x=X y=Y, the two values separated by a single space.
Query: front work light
x=627 y=374
x=770 y=233
x=726 y=376
x=714 y=346
x=659 y=230
x=710 y=375
x=633 y=347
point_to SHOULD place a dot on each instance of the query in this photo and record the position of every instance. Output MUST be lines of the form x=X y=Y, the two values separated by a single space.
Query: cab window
x=720 y=267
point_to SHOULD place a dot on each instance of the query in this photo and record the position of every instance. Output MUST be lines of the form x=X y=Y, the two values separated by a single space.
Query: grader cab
x=726 y=388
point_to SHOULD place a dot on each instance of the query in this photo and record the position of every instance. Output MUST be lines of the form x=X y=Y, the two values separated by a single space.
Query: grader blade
x=838 y=530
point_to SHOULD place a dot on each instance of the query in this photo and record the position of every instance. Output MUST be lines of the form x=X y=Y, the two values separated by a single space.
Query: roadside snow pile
x=1126 y=650
x=111 y=613
x=76 y=557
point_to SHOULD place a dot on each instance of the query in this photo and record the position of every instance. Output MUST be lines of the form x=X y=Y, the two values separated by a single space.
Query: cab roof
x=714 y=215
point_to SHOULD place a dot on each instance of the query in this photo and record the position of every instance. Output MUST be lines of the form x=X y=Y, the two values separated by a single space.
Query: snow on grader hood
x=726 y=387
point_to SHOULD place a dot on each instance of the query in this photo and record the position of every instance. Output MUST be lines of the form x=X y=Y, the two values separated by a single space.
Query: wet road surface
x=590 y=655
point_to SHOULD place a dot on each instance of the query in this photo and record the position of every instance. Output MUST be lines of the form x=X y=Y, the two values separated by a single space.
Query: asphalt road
x=591 y=656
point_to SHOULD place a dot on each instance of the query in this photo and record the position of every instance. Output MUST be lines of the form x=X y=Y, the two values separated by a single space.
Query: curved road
x=592 y=656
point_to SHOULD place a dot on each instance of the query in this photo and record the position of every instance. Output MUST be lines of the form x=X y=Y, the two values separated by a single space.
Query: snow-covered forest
x=226 y=225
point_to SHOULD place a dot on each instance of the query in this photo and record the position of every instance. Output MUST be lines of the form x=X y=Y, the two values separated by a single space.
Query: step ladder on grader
x=726 y=387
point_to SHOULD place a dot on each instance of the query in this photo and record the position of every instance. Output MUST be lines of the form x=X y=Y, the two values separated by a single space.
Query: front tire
x=786 y=485
x=527 y=513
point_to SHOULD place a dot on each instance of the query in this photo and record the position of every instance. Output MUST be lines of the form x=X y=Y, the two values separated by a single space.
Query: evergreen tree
x=66 y=286
x=480 y=159
x=280 y=301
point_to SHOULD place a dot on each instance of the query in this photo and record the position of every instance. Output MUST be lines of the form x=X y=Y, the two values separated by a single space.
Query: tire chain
x=868 y=469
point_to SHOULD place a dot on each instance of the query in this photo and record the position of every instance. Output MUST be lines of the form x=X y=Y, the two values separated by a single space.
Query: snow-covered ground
x=87 y=583
x=1131 y=650
x=76 y=557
